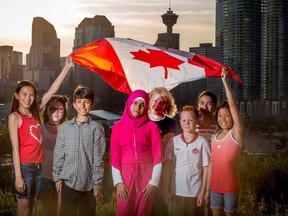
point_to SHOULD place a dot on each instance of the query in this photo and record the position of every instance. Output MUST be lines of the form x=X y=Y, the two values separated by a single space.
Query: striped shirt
x=78 y=155
x=207 y=132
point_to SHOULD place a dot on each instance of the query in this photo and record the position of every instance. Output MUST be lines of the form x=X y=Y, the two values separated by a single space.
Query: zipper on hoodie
x=135 y=150
x=136 y=156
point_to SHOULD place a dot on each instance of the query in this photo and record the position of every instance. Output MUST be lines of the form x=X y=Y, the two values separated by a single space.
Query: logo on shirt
x=35 y=131
x=195 y=151
x=177 y=149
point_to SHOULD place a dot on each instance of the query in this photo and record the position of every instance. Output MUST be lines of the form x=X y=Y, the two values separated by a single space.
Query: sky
x=137 y=19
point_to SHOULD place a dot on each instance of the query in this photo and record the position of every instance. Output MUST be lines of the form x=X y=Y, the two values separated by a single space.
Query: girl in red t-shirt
x=26 y=139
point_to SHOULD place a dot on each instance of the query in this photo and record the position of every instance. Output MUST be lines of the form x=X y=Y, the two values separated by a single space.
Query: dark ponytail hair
x=15 y=102
x=223 y=105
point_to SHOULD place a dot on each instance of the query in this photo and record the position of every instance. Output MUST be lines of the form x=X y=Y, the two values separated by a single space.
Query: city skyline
x=140 y=20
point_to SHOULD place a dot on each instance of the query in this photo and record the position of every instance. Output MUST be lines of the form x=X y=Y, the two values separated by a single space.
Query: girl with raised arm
x=223 y=178
x=26 y=139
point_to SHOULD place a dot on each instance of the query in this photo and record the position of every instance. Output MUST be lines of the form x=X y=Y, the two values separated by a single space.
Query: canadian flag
x=128 y=65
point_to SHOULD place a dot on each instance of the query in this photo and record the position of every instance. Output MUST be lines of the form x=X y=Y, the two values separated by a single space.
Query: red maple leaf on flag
x=153 y=56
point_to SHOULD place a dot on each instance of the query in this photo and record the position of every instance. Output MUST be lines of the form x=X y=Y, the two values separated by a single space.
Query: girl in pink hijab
x=135 y=157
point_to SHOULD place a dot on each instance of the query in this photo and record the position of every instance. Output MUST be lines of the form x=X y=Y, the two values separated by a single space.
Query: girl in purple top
x=54 y=114
x=135 y=157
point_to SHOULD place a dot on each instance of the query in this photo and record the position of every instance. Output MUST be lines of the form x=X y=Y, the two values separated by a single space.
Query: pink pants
x=136 y=178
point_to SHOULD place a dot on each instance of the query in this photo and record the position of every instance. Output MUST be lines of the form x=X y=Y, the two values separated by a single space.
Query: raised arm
x=238 y=127
x=57 y=83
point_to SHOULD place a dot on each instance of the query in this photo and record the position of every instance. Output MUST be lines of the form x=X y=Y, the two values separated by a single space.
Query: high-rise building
x=253 y=36
x=17 y=66
x=45 y=48
x=211 y=84
x=238 y=33
x=11 y=71
x=6 y=56
x=91 y=29
x=5 y=69
x=275 y=73
x=17 y=58
x=43 y=60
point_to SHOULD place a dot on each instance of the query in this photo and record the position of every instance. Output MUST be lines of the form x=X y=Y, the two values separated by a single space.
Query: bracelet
x=207 y=190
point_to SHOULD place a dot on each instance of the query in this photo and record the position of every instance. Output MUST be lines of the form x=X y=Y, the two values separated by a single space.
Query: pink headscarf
x=128 y=117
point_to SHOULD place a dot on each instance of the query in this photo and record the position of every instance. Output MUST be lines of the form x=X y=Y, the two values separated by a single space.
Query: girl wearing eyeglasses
x=26 y=140
x=54 y=114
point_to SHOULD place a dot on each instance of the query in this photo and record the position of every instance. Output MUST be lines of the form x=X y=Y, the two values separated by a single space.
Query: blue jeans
x=227 y=201
x=31 y=174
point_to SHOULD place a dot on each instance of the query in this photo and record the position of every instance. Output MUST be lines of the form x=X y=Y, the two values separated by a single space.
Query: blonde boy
x=188 y=155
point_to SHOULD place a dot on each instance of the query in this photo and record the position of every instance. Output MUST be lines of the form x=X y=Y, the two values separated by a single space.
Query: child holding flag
x=26 y=139
x=223 y=177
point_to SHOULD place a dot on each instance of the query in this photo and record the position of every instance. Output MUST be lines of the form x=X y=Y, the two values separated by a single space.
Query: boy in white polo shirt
x=187 y=156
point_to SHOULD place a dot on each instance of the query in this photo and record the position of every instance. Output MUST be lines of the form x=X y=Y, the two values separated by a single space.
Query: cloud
x=137 y=19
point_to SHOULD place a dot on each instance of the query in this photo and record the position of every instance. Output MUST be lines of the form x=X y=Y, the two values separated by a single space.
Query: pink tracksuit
x=135 y=150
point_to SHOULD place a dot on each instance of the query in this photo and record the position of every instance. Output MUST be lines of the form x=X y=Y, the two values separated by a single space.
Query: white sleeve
x=156 y=175
x=117 y=177
x=206 y=154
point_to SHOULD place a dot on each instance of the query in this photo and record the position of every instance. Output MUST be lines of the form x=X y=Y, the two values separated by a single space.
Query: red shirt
x=225 y=155
x=30 y=140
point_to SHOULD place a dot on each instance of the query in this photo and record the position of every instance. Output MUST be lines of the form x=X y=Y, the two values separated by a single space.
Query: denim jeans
x=31 y=174
x=227 y=201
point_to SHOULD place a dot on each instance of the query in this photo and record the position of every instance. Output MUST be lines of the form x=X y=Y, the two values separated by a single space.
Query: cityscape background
x=250 y=36
x=136 y=19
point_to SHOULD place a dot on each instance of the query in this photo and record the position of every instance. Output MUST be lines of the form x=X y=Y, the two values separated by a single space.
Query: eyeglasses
x=53 y=109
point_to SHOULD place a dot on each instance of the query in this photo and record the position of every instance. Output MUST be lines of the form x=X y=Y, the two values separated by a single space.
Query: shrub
x=7 y=203
x=264 y=189
x=6 y=178
x=106 y=207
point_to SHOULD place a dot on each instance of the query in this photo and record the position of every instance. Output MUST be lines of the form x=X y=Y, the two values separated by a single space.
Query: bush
x=7 y=203
x=106 y=207
x=264 y=188
x=6 y=178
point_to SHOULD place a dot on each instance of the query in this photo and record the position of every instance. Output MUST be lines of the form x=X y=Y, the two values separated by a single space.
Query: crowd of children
x=156 y=170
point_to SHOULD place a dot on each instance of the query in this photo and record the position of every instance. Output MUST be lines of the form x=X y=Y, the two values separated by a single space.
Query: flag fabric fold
x=127 y=64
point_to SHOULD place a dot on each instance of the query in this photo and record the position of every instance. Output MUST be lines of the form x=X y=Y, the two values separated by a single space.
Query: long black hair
x=223 y=105
x=15 y=102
